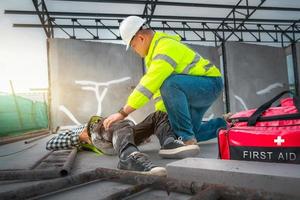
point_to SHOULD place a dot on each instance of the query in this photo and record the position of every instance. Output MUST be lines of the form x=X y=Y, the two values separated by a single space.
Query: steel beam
x=69 y=26
x=149 y=10
x=226 y=27
x=163 y=17
x=184 y=4
x=295 y=67
x=43 y=14
x=226 y=83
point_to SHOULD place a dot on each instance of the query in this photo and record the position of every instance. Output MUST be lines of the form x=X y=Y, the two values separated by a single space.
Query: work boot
x=139 y=162
x=177 y=149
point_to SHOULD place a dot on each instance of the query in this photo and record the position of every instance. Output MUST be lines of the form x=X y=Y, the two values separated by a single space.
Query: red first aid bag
x=269 y=134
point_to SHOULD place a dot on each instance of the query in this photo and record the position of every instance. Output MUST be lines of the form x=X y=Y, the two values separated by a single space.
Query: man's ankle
x=168 y=140
x=127 y=151
x=190 y=142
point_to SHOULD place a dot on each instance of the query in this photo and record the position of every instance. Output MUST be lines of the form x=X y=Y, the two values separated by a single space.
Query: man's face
x=139 y=45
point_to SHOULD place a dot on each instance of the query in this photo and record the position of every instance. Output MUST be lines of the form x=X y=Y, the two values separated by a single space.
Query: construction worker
x=182 y=83
x=122 y=139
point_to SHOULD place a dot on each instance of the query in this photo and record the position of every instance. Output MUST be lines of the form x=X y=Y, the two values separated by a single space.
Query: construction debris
x=53 y=165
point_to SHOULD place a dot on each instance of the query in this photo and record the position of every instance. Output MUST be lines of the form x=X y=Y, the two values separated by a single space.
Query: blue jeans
x=187 y=98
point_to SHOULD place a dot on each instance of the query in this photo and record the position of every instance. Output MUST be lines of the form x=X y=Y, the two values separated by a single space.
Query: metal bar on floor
x=44 y=168
x=128 y=192
x=129 y=177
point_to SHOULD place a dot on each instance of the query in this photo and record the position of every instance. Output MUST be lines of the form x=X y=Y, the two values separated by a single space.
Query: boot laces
x=143 y=160
x=179 y=140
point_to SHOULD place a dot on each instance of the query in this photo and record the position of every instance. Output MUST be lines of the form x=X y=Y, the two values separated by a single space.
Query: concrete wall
x=80 y=72
x=212 y=54
x=255 y=74
x=89 y=78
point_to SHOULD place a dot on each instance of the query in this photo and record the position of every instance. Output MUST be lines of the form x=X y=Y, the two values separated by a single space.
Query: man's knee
x=122 y=137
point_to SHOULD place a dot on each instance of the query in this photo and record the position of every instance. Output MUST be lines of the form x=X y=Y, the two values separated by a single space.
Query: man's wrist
x=123 y=113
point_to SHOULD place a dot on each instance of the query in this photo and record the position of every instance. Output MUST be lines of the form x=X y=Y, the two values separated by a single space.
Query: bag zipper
x=267 y=118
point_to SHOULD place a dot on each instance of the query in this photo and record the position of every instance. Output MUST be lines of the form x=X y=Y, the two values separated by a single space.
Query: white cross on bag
x=279 y=140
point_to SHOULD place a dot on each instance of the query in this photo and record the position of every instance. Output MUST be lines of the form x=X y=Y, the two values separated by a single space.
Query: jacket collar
x=157 y=36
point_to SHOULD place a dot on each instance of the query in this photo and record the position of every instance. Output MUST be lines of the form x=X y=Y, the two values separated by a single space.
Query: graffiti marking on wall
x=93 y=86
x=269 y=88
x=241 y=101
x=69 y=114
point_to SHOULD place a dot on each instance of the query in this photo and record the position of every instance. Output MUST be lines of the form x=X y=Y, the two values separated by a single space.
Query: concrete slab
x=269 y=176
x=92 y=190
x=272 y=177
x=160 y=195
x=84 y=160
x=19 y=155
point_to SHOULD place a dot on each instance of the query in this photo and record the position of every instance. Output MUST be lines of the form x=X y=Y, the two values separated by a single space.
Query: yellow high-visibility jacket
x=166 y=56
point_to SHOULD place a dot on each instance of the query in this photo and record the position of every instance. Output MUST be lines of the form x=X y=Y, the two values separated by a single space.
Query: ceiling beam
x=186 y=4
x=149 y=10
x=164 y=17
x=155 y=28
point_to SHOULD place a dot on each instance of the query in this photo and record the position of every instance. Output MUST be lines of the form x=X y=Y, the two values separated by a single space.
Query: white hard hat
x=129 y=27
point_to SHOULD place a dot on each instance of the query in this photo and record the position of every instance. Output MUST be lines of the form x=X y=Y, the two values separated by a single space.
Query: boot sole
x=181 y=152
x=156 y=171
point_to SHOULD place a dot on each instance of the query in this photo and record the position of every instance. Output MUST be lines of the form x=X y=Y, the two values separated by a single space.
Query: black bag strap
x=254 y=117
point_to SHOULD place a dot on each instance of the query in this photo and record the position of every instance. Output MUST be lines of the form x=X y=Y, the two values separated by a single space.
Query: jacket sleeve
x=65 y=139
x=162 y=65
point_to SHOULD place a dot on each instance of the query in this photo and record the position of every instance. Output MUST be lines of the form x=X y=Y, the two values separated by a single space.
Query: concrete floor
x=22 y=156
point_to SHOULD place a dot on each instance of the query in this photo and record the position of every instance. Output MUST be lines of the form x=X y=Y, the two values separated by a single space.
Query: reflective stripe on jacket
x=166 y=56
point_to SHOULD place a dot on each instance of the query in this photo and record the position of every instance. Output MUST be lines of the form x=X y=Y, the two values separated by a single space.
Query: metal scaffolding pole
x=295 y=67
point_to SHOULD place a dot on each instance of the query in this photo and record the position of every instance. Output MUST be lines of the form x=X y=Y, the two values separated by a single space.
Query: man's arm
x=66 y=139
x=122 y=114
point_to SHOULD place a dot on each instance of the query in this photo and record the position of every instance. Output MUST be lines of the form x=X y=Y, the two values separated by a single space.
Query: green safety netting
x=19 y=115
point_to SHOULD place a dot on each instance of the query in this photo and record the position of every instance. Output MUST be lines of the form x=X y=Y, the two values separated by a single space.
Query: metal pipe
x=35 y=139
x=157 y=182
x=127 y=192
x=40 y=160
x=36 y=174
x=210 y=193
x=226 y=82
x=65 y=170
x=8 y=140
x=49 y=186
x=295 y=68
x=17 y=105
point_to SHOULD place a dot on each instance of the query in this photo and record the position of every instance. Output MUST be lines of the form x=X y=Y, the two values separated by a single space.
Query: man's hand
x=112 y=119
x=84 y=137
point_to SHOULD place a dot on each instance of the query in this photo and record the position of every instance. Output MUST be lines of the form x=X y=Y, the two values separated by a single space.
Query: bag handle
x=254 y=117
